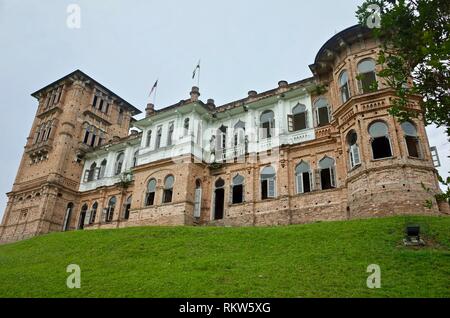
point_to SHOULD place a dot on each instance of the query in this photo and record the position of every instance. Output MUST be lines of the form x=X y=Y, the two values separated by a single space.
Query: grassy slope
x=316 y=260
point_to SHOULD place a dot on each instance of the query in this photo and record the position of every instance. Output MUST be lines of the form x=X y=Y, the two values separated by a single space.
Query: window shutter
x=316 y=116
x=311 y=181
x=299 y=179
x=86 y=176
x=290 y=120
x=271 y=188
x=87 y=218
x=243 y=193
x=356 y=157
x=231 y=195
x=104 y=213
x=97 y=173
x=197 y=202
x=333 y=177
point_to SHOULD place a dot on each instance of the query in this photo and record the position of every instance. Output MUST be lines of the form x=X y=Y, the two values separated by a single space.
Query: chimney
x=252 y=93
x=195 y=94
x=210 y=103
x=282 y=84
x=149 y=110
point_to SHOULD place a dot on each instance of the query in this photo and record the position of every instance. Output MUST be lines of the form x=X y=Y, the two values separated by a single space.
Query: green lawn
x=315 y=260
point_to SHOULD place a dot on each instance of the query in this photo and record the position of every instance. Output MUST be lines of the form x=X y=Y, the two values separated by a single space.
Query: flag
x=195 y=70
x=153 y=88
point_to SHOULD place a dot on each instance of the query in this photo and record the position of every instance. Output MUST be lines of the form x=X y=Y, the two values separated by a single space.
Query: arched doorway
x=127 y=207
x=219 y=199
x=67 y=217
x=82 y=217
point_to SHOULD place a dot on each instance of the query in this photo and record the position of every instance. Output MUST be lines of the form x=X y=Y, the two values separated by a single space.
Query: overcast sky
x=126 y=45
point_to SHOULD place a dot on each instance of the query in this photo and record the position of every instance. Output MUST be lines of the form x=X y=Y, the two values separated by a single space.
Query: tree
x=415 y=54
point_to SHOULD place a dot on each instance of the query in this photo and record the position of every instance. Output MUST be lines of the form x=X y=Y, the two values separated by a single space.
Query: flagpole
x=198 y=78
x=156 y=90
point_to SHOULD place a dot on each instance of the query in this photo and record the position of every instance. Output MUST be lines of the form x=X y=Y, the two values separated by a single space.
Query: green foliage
x=415 y=45
x=327 y=259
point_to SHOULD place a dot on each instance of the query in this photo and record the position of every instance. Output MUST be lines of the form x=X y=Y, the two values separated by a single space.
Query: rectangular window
x=268 y=189
x=238 y=191
x=327 y=178
x=266 y=131
x=167 y=196
x=299 y=121
x=94 y=102
x=86 y=137
x=150 y=199
x=367 y=81
x=322 y=115
x=304 y=181
x=93 y=140
x=413 y=146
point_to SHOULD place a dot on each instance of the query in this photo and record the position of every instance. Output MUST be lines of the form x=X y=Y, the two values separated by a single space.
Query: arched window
x=87 y=134
x=322 y=110
x=149 y=139
x=303 y=177
x=119 y=163
x=327 y=173
x=170 y=133
x=268 y=176
x=411 y=139
x=135 y=157
x=67 y=217
x=186 y=127
x=366 y=76
x=110 y=210
x=127 y=208
x=381 y=145
x=94 y=136
x=353 y=149
x=92 y=170
x=198 y=199
x=239 y=133
x=93 y=213
x=267 y=122
x=344 y=86
x=102 y=169
x=83 y=216
x=158 y=137
x=38 y=133
x=237 y=189
x=49 y=130
x=150 y=195
x=298 y=120
x=168 y=189
x=222 y=133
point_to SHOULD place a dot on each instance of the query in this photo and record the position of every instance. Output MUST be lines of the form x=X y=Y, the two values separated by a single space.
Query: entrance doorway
x=219 y=199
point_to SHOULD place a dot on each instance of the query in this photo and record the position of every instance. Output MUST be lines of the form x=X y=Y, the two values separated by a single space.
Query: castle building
x=322 y=148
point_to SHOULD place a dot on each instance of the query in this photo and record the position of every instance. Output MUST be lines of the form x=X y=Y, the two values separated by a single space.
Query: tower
x=75 y=114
